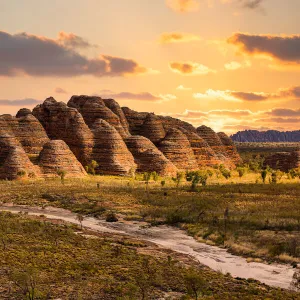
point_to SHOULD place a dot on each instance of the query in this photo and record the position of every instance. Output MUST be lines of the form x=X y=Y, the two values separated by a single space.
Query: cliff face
x=57 y=136
x=266 y=136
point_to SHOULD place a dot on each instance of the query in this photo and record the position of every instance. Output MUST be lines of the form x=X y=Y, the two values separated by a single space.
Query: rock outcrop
x=214 y=141
x=56 y=156
x=110 y=150
x=66 y=123
x=176 y=147
x=27 y=130
x=153 y=129
x=283 y=161
x=230 y=148
x=14 y=162
x=68 y=137
x=94 y=108
x=270 y=136
x=148 y=158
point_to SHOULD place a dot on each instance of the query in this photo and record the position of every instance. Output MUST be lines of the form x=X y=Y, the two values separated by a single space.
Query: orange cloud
x=281 y=48
x=228 y=95
x=177 y=37
x=190 y=68
x=183 y=6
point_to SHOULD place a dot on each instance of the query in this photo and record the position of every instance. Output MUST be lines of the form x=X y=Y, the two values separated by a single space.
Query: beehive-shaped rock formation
x=214 y=141
x=110 y=150
x=56 y=156
x=23 y=112
x=230 y=148
x=283 y=161
x=120 y=139
x=134 y=119
x=65 y=123
x=117 y=110
x=176 y=147
x=204 y=155
x=93 y=109
x=27 y=130
x=153 y=129
x=148 y=158
x=14 y=162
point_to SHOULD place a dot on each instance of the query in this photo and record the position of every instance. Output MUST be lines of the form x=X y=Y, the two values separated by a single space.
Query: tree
x=194 y=284
x=26 y=281
x=225 y=172
x=241 y=171
x=178 y=179
x=264 y=174
x=91 y=167
x=80 y=219
x=196 y=177
x=62 y=174
x=147 y=178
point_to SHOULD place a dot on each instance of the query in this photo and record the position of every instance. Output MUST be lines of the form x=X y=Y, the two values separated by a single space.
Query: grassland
x=53 y=260
x=256 y=220
x=248 y=150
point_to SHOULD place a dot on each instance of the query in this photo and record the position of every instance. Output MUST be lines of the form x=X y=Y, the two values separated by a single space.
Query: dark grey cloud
x=280 y=120
x=22 y=102
x=40 y=56
x=283 y=48
x=284 y=112
x=249 y=96
x=252 y=4
x=59 y=90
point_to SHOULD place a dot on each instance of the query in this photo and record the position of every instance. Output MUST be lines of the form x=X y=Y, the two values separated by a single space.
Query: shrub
x=91 y=167
x=21 y=173
x=225 y=172
x=111 y=217
x=179 y=177
x=196 y=177
x=241 y=171
x=264 y=174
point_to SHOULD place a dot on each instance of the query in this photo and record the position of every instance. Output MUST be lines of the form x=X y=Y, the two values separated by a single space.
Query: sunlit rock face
x=56 y=136
x=216 y=144
x=153 y=129
x=27 y=130
x=55 y=157
x=148 y=158
x=283 y=161
x=94 y=108
x=110 y=150
x=230 y=148
x=177 y=148
x=66 y=123
x=14 y=162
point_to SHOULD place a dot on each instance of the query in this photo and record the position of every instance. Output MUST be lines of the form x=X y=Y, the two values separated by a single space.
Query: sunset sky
x=228 y=64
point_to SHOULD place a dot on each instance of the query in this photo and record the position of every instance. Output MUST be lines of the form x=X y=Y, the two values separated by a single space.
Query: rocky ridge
x=58 y=136
x=270 y=136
